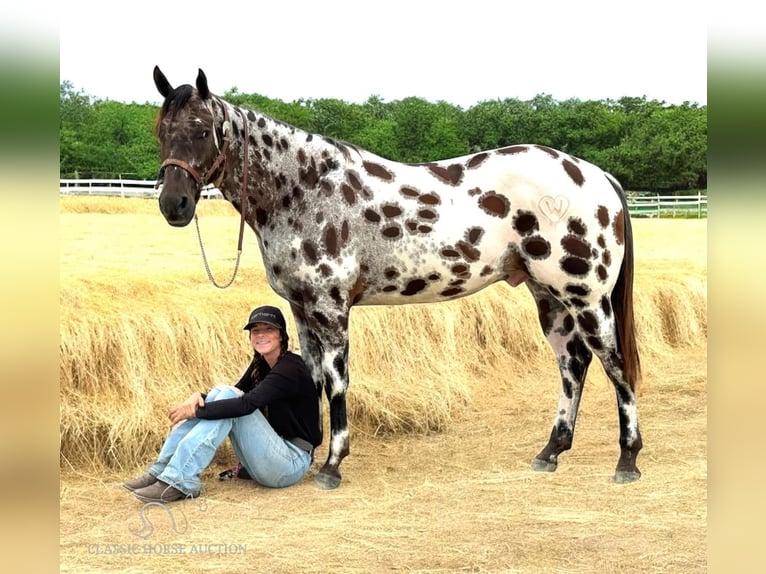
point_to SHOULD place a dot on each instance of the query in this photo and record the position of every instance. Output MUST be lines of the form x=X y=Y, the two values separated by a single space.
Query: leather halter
x=202 y=180
x=219 y=162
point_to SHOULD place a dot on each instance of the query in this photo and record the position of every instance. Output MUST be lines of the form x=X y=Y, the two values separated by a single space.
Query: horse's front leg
x=335 y=385
x=311 y=352
x=324 y=347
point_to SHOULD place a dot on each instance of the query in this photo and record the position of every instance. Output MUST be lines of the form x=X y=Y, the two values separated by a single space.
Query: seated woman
x=271 y=416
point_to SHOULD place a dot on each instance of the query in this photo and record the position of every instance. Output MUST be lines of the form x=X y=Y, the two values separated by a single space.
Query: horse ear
x=161 y=82
x=202 y=88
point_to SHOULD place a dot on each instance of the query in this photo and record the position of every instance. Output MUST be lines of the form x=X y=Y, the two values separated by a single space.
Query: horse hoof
x=327 y=481
x=626 y=476
x=544 y=465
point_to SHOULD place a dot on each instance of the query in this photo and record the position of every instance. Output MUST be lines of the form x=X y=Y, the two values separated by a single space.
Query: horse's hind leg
x=573 y=357
x=599 y=329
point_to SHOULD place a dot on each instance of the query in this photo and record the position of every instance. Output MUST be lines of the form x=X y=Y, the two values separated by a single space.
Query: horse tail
x=622 y=300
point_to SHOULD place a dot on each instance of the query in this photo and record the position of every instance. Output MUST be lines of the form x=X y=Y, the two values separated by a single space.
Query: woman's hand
x=187 y=409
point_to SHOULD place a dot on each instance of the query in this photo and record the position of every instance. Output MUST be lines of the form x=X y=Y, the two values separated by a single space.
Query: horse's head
x=190 y=143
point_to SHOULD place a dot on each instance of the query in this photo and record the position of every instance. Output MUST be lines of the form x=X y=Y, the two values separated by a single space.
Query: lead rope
x=207 y=267
x=242 y=208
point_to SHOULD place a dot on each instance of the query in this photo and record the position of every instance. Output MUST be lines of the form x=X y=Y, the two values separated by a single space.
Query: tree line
x=647 y=144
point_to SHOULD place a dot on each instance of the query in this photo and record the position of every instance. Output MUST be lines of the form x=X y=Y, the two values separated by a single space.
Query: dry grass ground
x=448 y=405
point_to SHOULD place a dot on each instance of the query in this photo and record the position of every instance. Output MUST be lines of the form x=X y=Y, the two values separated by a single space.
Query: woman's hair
x=259 y=363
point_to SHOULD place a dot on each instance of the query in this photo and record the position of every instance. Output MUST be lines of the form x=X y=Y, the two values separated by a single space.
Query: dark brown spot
x=330 y=241
x=494 y=204
x=413 y=287
x=606 y=306
x=487 y=270
x=574 y=172
x=588 y=322
x=408 y=191
x=389 y=288
x=371 y=215
x=434 y=277
x=602 y=272
x=325 y=270
x=321 y=318
x=602 y=213
x=261 y=216
x=459 y=269
x=473 y=192
x=310 y=251
x=477 y=160
x=577 y=226
x=348 y=193
x=474 y=234
x=595 y=343
x=391 y=211
x=550 y=151
x=327 y=187
x=575 y=265
x=606 y=258
x=391 y=273
x=543 y=313
x=426 y=214
x=353 y=179
x=525 y=222
x=511 y=150
x=425 y=228
x=344 y=232
x=335 y=296
x=261 y=121
x=601 y=241
x=429 y=199
x=392 y=231
x=452 y=291
x=452 y=174
x=581 y=290
x=469 y=251
x=576 y=246
x=536 y=247
x=276 y=269
x=449 y=253
x=377 y=170
x=309 y=176
x=267 y=139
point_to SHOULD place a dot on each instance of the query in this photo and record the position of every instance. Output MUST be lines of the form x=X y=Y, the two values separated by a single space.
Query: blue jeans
x=269 y=459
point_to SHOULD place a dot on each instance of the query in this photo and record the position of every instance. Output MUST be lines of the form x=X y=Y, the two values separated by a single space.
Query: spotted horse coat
x=339 y=226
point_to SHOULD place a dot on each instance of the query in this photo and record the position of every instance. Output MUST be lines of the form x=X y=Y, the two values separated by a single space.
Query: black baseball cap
x=269 y=315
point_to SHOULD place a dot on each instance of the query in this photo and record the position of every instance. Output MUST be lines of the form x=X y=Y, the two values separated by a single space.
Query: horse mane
x=176 y=100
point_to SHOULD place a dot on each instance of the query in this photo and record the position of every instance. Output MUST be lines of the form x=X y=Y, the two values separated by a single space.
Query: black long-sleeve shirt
x=287 y=390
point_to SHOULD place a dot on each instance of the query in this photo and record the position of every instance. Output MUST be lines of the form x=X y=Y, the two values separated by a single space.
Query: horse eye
x=204 y=134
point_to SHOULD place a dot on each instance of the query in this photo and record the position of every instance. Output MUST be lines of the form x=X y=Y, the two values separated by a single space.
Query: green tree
x=426 y=132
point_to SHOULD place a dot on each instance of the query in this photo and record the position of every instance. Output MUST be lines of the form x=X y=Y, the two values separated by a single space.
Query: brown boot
x=140 y=482
x=160 y=492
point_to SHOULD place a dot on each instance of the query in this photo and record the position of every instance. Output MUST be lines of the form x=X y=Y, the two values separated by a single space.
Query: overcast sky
x=459 y=51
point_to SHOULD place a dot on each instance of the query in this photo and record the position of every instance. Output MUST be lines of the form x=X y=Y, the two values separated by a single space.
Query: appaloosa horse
x=339 y=226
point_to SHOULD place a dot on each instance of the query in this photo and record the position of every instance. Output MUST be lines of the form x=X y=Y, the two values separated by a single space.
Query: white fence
x=668 y=205
x=120 y=188
x=639 y=205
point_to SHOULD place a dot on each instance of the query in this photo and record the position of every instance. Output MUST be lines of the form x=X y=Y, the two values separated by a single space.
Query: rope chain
x=207 y=267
